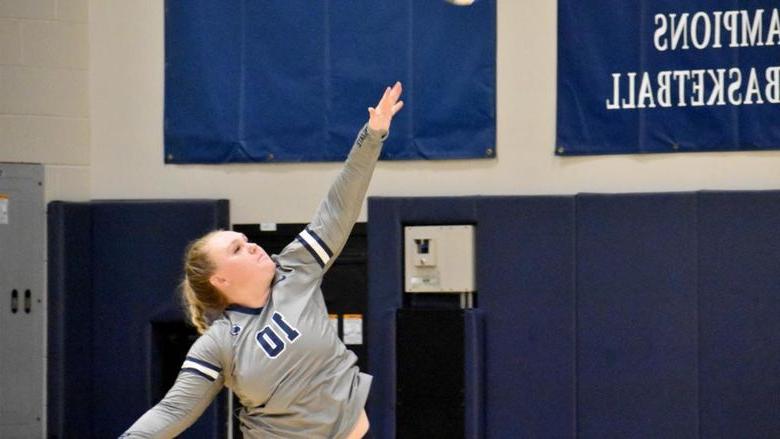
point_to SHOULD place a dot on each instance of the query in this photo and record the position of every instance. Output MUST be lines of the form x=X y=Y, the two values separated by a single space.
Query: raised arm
x=325 y=236
x=199 y=381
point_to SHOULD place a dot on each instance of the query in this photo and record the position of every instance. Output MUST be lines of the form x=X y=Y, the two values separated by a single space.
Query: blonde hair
x=202 y=301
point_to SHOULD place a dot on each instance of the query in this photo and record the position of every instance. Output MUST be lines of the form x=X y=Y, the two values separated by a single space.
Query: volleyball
x=461 y=2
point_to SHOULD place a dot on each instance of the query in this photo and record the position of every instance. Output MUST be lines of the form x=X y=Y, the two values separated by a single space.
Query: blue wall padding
x=130 y=261
x=474 y=374
x=633 y=315
x=533 y=272
x=70 y=390
x=525 y=261
x=385 y=262
x=739 y=314
x=636 y=316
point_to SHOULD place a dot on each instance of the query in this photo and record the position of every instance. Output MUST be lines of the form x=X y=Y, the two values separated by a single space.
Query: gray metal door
x=22 y=313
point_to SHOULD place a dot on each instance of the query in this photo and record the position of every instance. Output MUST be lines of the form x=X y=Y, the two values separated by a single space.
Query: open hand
x=379 y=117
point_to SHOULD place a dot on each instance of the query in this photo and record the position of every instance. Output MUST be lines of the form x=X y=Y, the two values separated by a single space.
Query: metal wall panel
x=22 y=271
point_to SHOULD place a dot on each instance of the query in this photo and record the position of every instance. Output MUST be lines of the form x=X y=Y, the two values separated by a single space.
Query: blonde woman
x=264 y=328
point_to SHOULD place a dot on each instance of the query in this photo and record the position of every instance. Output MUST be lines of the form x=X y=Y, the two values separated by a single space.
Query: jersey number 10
x=270 y=341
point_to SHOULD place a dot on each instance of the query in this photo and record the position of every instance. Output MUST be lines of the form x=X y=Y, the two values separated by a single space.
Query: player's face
x=243 y=265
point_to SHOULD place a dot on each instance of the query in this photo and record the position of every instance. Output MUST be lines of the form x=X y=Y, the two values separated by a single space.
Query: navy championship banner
x=291 y=80
x=645 y=76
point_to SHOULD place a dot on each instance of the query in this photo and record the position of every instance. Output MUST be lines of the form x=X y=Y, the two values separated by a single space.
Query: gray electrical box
x=439 y=259
x=22 y=313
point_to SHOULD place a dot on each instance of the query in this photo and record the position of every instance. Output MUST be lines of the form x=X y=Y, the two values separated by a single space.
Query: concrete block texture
x=66 y=183
x=55 y=44
x=44 y=139
x=10 y=42
x=73 y=10
x=39 y=9
x=43 y=91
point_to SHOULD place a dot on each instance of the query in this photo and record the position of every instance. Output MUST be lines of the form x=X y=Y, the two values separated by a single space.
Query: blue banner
x=289 y=81
x=667 y=76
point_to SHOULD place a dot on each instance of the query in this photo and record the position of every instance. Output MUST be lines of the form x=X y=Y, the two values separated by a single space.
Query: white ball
x=461 y=2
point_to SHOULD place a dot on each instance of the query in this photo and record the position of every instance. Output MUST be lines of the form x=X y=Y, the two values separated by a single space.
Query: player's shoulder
x=218 y=331
x=214 y=343
x=219 y=323
x=209 y=353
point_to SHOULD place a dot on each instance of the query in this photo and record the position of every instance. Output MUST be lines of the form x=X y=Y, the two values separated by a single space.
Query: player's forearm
x=179 y=409
x=339 y=211
x=159 y=422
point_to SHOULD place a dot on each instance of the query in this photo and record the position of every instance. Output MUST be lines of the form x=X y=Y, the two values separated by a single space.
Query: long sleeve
x=200 y=379
x=324 y=238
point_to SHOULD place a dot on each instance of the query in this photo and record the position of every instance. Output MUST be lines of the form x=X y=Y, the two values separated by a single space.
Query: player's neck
x=254 y=299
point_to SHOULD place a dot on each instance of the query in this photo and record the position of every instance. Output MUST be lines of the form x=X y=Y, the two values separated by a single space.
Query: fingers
x=384 y=97
x=390 y=96
x=395 y=93
x=387 y=107
x=398 y=105
x=396 y=90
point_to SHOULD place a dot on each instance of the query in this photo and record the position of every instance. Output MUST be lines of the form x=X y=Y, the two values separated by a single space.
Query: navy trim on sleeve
x=204 y=363
x=311 y=250
x=320 y=241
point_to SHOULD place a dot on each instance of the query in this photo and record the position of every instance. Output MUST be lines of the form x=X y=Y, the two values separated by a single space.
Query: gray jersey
x=292 y=374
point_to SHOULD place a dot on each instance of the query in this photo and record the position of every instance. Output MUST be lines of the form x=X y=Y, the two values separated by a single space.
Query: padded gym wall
x=524 y=249
x=636 y=334
x=739 y=305
x=631 y=315
x=114 y=267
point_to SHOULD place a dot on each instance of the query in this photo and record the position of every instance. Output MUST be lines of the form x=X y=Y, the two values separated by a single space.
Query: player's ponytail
x=201 y=299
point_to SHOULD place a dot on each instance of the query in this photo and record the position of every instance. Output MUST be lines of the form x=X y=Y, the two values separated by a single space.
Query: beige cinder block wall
x=44 y=91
